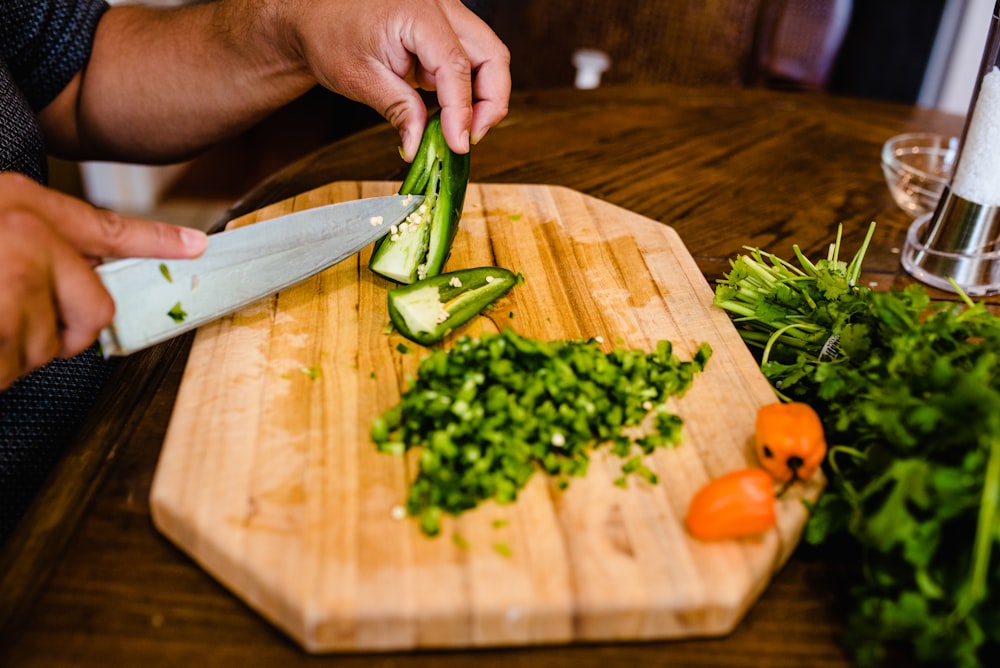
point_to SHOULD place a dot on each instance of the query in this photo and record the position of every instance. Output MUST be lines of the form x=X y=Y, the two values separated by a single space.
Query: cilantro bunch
x=909 y=393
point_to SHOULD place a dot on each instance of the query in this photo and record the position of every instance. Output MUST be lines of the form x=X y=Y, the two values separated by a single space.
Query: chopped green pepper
x=419 y=246
x=487 y=413
x=177 y=313
x=428 y=310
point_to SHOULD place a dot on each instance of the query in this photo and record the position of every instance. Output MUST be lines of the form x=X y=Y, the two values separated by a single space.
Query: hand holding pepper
x=379 y=51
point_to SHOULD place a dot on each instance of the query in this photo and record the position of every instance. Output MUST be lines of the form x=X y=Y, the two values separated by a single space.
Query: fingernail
x=405 y=148
x=465 y=141
x=193 y=240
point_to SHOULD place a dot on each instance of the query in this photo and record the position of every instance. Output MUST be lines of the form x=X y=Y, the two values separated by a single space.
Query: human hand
x=52 y=301
x=378 y=51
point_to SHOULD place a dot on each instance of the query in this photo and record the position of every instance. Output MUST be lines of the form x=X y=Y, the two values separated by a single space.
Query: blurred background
x=923 y=52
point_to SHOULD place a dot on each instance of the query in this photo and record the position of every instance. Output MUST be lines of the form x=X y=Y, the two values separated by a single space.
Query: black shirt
x=43 y=44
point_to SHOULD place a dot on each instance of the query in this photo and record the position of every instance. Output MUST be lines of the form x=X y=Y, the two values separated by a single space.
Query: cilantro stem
x=778 y=263
x=831 y=459
x=760 y=271
x=806 y=262
x=854 y=269
x=774 y=338
x=834 y=254
x=986 y=531
x=737 y=307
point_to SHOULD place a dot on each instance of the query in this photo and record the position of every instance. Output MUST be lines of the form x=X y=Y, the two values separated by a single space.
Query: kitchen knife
x=157 y=299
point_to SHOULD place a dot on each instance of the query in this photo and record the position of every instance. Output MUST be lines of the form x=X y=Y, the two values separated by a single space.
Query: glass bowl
x=917 y=167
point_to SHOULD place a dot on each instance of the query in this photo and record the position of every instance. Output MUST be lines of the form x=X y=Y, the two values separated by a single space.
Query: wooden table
x=87 y=581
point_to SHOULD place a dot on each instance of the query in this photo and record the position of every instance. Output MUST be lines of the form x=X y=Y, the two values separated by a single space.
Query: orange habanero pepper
x=790 y=441
x=738 y=504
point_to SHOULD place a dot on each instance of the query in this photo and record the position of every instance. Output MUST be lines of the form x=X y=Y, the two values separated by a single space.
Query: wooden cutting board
x=269 y=480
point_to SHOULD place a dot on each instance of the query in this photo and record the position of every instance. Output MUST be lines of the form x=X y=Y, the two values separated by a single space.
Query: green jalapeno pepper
x=428 y=310
x=418 y=247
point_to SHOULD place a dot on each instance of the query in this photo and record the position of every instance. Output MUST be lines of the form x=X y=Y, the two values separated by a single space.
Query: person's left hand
x=378 y=51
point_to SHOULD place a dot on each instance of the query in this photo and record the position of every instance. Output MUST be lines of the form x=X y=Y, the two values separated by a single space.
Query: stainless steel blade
x=158 y=299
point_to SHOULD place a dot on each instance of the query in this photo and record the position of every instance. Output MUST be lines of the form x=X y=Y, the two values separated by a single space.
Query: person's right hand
x=52 y=301
x=380 y=51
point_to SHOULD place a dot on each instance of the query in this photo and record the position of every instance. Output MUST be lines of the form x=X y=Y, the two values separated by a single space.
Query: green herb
x=515 y=217
x=166 y=272
x=635 y=465
x=499 y=524
x=491 y=411
x=177 y=313
x=503 y=549
x=459 y=540
x=313 y=372
x=403 y=348
x=909 y=393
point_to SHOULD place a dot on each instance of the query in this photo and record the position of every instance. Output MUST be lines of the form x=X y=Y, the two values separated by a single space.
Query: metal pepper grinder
x=960 y=240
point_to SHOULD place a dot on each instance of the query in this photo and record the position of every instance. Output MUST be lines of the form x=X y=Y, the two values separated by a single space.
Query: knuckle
x=396 y=112
x=503 y=54
x=458 y=61
x=113 y=227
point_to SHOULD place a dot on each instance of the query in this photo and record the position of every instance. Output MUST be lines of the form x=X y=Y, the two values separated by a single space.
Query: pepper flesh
x=428 y=310
x=789 y=440
x=739 y=504
x=419 y=247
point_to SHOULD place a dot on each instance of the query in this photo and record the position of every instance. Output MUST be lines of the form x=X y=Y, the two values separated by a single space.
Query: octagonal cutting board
x=269 y=480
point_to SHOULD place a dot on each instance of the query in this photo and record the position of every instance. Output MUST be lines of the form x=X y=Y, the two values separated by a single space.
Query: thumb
x=401 y=105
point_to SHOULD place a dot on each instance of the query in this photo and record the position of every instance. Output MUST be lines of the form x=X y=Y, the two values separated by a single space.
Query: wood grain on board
x=269 y=480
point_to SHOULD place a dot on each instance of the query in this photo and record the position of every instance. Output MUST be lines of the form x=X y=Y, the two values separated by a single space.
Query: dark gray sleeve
x=45 y=43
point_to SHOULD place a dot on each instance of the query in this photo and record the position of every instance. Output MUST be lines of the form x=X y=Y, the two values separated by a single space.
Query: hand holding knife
x=158 y=299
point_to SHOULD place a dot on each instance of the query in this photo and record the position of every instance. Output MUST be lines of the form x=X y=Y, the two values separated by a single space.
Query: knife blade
x=157 y=299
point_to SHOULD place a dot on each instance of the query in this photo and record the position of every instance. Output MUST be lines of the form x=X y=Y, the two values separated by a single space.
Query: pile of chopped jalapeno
x=490 y=411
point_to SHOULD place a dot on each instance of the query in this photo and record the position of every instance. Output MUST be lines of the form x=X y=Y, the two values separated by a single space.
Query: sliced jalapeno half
x=418 y=247
x=428 y=310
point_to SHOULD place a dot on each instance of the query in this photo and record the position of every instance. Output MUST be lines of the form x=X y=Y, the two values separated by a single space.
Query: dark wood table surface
x=86 y=580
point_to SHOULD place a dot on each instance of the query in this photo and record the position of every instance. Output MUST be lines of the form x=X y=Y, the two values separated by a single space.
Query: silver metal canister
x=958 y=244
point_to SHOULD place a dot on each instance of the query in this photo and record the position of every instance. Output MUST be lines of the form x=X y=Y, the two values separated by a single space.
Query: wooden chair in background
x=691 y=42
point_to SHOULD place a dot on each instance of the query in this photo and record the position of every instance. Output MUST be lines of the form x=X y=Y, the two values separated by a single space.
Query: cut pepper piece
x=428 y=310
x=418 y=247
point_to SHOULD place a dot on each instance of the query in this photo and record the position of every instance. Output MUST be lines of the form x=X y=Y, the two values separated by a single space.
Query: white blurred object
x=950 y=75
x=590 y=64
x=127 y=187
